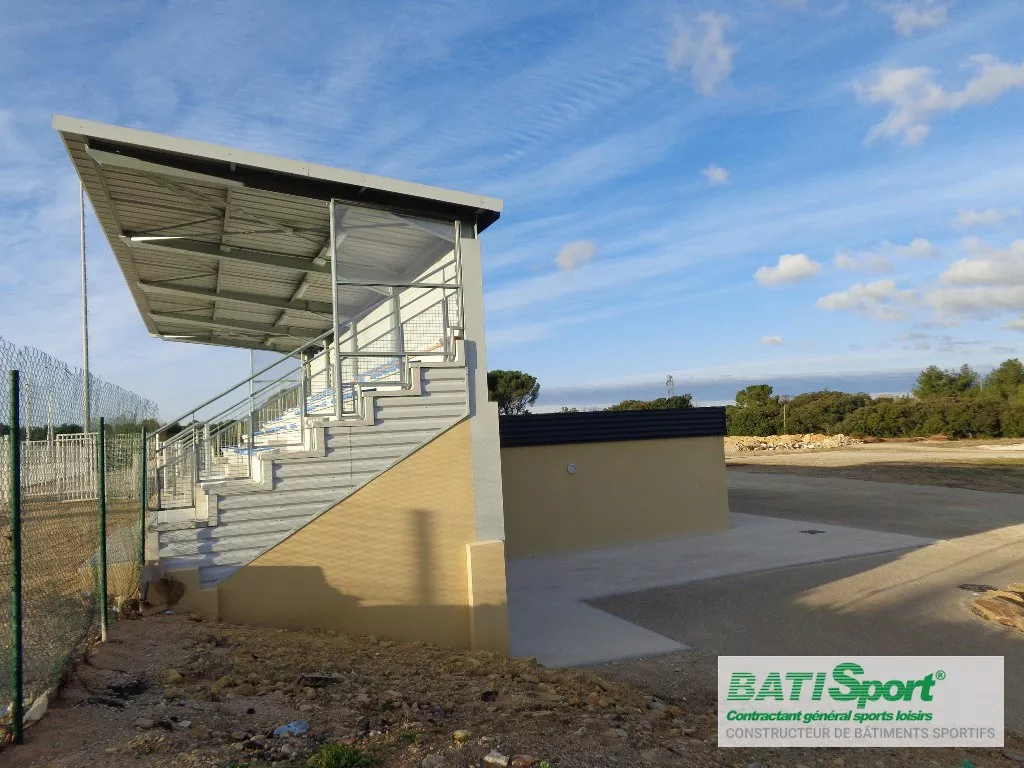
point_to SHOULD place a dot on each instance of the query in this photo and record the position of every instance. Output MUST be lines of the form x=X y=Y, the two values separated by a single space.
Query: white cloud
x=574 y=255
x=864 y=261
x=1015 y=325
x=987 y=265
x=716 y=174
x=791 y=268
x=704 y=52
x=989 y=282
x=986 y=218
x=909 y=17
x=914 y=97
x=879 y=258
x=881 y=300
x=772 y=341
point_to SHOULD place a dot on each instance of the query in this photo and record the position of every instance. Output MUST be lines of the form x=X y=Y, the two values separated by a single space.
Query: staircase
x=303 y=464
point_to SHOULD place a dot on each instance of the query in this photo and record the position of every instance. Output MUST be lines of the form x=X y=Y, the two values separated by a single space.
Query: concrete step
x=273 y=512
x=397 y=425
x=226 y=536
x=277 y=499
x=223 y=547
x=342 y=438
x=417 y=408
x=202 y=560
x=343 y=481
x=340 y=463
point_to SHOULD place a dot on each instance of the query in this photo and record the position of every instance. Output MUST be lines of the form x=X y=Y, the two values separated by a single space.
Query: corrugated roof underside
x=133 y=202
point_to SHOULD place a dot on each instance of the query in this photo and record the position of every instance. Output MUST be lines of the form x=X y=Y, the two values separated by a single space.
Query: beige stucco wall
x=394 y=559
x=622 y=491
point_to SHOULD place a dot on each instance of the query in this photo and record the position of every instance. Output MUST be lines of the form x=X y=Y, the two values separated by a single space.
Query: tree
x=935 y=382
x=756 y=395
x=513 y=391
x=1005 y=381
x=658 y=404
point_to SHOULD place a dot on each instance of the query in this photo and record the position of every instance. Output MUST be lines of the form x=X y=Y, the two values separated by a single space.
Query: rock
x=432 y=761
x=172 y=676
x=489 y=696
x=461 y=736
x=541 y=713
x=237 y=736
x=649 y=756
x=524 y=761
x=221 y=684
x=1012 y=754
x=753 y=765
x=604 y=684
x=309 y=692
x=550 y=697
x=616 y=733
x=494 y=757
x=528 y=678
x=673 y=711
x=289 y=751
x=246 y=689
x=839 y=762
x=144 y=723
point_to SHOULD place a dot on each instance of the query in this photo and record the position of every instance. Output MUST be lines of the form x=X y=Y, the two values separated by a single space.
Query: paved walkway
x=550 y=621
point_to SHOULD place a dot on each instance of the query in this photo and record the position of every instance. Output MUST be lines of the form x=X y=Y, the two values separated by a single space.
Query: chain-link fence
x=58 y=471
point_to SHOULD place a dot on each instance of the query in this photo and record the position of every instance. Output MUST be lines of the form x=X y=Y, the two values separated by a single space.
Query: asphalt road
x=916 y=510
x=903 y=603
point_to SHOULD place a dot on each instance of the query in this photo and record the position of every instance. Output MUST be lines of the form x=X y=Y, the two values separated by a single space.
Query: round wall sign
x=571 y=469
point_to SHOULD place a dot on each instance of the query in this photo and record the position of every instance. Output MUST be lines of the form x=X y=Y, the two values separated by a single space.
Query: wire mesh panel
x=59 y=515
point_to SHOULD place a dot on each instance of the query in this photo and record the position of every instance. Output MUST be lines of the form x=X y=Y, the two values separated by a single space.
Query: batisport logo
x=865 y=701
x=791 y=686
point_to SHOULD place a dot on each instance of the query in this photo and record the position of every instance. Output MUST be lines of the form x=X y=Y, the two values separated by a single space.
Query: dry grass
x=960 y=464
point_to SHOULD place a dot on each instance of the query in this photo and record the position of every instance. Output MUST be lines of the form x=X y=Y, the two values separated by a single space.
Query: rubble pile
x=788 y=442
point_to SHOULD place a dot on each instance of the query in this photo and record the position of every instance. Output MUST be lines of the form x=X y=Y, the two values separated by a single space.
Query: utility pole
x=85 y=317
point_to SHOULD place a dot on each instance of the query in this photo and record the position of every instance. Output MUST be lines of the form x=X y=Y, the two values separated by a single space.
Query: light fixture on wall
x=571 y=469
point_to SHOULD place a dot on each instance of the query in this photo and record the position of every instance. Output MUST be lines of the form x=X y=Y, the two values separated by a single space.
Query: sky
x=808 y=193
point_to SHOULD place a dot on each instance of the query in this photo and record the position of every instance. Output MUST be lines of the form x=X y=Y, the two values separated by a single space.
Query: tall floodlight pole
x=85 y=316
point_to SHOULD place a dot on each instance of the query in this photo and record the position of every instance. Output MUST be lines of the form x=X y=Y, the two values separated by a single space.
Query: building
x=356 y=483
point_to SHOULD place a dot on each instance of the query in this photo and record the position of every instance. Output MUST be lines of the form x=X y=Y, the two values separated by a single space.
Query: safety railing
x=222 y=438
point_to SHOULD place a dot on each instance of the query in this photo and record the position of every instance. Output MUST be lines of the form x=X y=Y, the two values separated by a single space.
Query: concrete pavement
x=549 y=620
x=894 y=603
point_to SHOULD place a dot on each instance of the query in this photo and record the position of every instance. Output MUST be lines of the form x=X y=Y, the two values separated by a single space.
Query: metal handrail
x=246 y=380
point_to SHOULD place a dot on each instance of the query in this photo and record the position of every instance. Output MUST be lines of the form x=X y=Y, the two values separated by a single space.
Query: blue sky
x=813 y=193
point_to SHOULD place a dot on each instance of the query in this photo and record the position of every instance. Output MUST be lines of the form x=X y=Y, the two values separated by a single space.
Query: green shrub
x=340 y=756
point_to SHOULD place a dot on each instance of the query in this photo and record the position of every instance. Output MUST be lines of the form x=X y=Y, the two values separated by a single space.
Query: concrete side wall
x=621 y=491
x=389 y=560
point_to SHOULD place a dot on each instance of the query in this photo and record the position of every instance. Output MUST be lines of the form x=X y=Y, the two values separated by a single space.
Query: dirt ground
x=170 y=691
x=951 y=464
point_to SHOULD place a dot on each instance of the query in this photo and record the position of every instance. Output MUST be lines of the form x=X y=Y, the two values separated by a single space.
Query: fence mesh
x=59 y=509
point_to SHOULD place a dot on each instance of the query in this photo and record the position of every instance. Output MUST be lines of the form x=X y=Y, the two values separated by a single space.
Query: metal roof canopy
x=229 y=247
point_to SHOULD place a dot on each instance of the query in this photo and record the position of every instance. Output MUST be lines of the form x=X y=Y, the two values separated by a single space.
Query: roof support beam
x=239 y=325
x=299 y=305
x=188 y=247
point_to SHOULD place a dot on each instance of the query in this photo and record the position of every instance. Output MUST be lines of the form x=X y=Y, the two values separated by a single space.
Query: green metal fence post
x=102 y=492
x=143 y=498
x=14 y=455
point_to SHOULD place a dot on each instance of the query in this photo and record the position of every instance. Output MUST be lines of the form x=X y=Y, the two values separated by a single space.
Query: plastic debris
x=294 y=728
